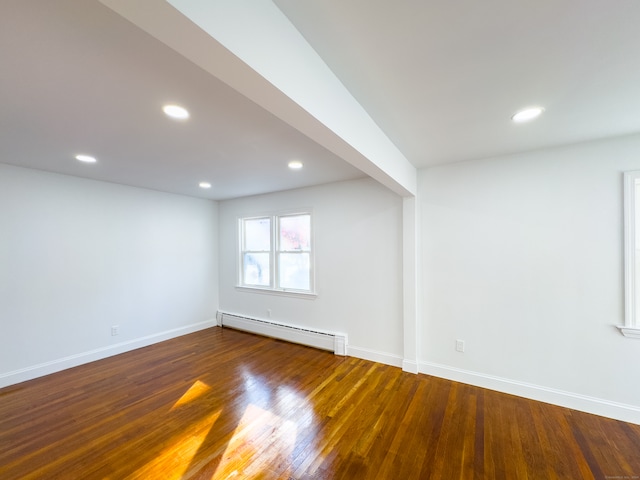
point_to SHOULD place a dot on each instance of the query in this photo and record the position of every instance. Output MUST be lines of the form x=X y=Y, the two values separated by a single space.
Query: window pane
x=293 y=270
x=295 y=233
x=255 y=269
x=257 y=234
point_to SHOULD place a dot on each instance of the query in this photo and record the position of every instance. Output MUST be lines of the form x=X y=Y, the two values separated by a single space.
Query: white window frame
x=631 y=326
x=274 y=254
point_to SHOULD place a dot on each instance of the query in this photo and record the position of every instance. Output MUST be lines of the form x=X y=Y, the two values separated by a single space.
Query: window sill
x=631 y=332
x=283 y=293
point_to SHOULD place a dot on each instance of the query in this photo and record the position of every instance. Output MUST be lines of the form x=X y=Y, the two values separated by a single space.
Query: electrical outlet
x=268 y=313
x=115 y=330
x=460 y=345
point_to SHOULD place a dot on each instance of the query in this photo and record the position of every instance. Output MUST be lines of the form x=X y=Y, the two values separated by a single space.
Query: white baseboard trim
x=374 y=356
x=53 y=366
x=583 y=403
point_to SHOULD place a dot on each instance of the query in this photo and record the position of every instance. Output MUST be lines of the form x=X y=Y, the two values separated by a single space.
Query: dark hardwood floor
x=221 y=404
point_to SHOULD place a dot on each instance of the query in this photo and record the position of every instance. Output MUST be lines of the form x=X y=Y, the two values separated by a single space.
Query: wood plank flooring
x=221 y=404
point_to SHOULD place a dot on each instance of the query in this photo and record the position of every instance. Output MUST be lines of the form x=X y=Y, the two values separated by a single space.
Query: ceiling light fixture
x=295 y=165
x=527 y=114
x=176 y=111
x=86 y=158
x=204 y=185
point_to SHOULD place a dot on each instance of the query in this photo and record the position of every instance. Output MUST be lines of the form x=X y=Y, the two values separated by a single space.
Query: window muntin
x=276 y=253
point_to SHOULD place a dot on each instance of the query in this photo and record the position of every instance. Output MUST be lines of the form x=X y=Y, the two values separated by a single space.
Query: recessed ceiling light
x=86 y=158
x=204 y=185
x=527 y=114
x=295 y=165
x=176 y=111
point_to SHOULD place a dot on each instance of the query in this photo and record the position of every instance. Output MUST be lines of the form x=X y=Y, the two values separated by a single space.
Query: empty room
x=319 y=240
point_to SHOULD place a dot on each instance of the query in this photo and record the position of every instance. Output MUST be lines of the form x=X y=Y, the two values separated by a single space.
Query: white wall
x=522 y=258
x=358 y=257
x=78 y=256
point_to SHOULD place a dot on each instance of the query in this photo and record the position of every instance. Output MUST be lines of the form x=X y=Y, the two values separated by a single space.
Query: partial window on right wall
x=631 y=326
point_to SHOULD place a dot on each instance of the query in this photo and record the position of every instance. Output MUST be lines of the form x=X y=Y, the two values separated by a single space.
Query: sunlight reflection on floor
x=197 y=389
x=260 y=439
x=262 y=443
x=174 y=460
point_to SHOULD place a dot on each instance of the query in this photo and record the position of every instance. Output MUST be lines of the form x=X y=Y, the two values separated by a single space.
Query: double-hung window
x=276 y=253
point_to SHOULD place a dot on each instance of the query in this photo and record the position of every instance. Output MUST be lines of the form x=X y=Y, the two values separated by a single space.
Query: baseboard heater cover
x=334 y=342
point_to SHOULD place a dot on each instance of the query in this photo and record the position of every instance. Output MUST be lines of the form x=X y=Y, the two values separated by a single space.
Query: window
x=276 y=253
x=632 y=254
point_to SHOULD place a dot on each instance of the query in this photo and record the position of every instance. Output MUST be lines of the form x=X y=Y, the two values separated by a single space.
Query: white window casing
x=631 y=326
x=276 y=254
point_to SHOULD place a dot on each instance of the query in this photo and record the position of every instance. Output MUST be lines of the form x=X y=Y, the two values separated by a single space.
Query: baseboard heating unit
x=334 y=342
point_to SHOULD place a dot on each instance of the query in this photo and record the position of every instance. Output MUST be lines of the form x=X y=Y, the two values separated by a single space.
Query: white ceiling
x=440 y=78
x=78 y=78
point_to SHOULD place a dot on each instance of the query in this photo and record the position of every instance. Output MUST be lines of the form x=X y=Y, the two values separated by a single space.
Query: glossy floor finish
x=221 y=404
